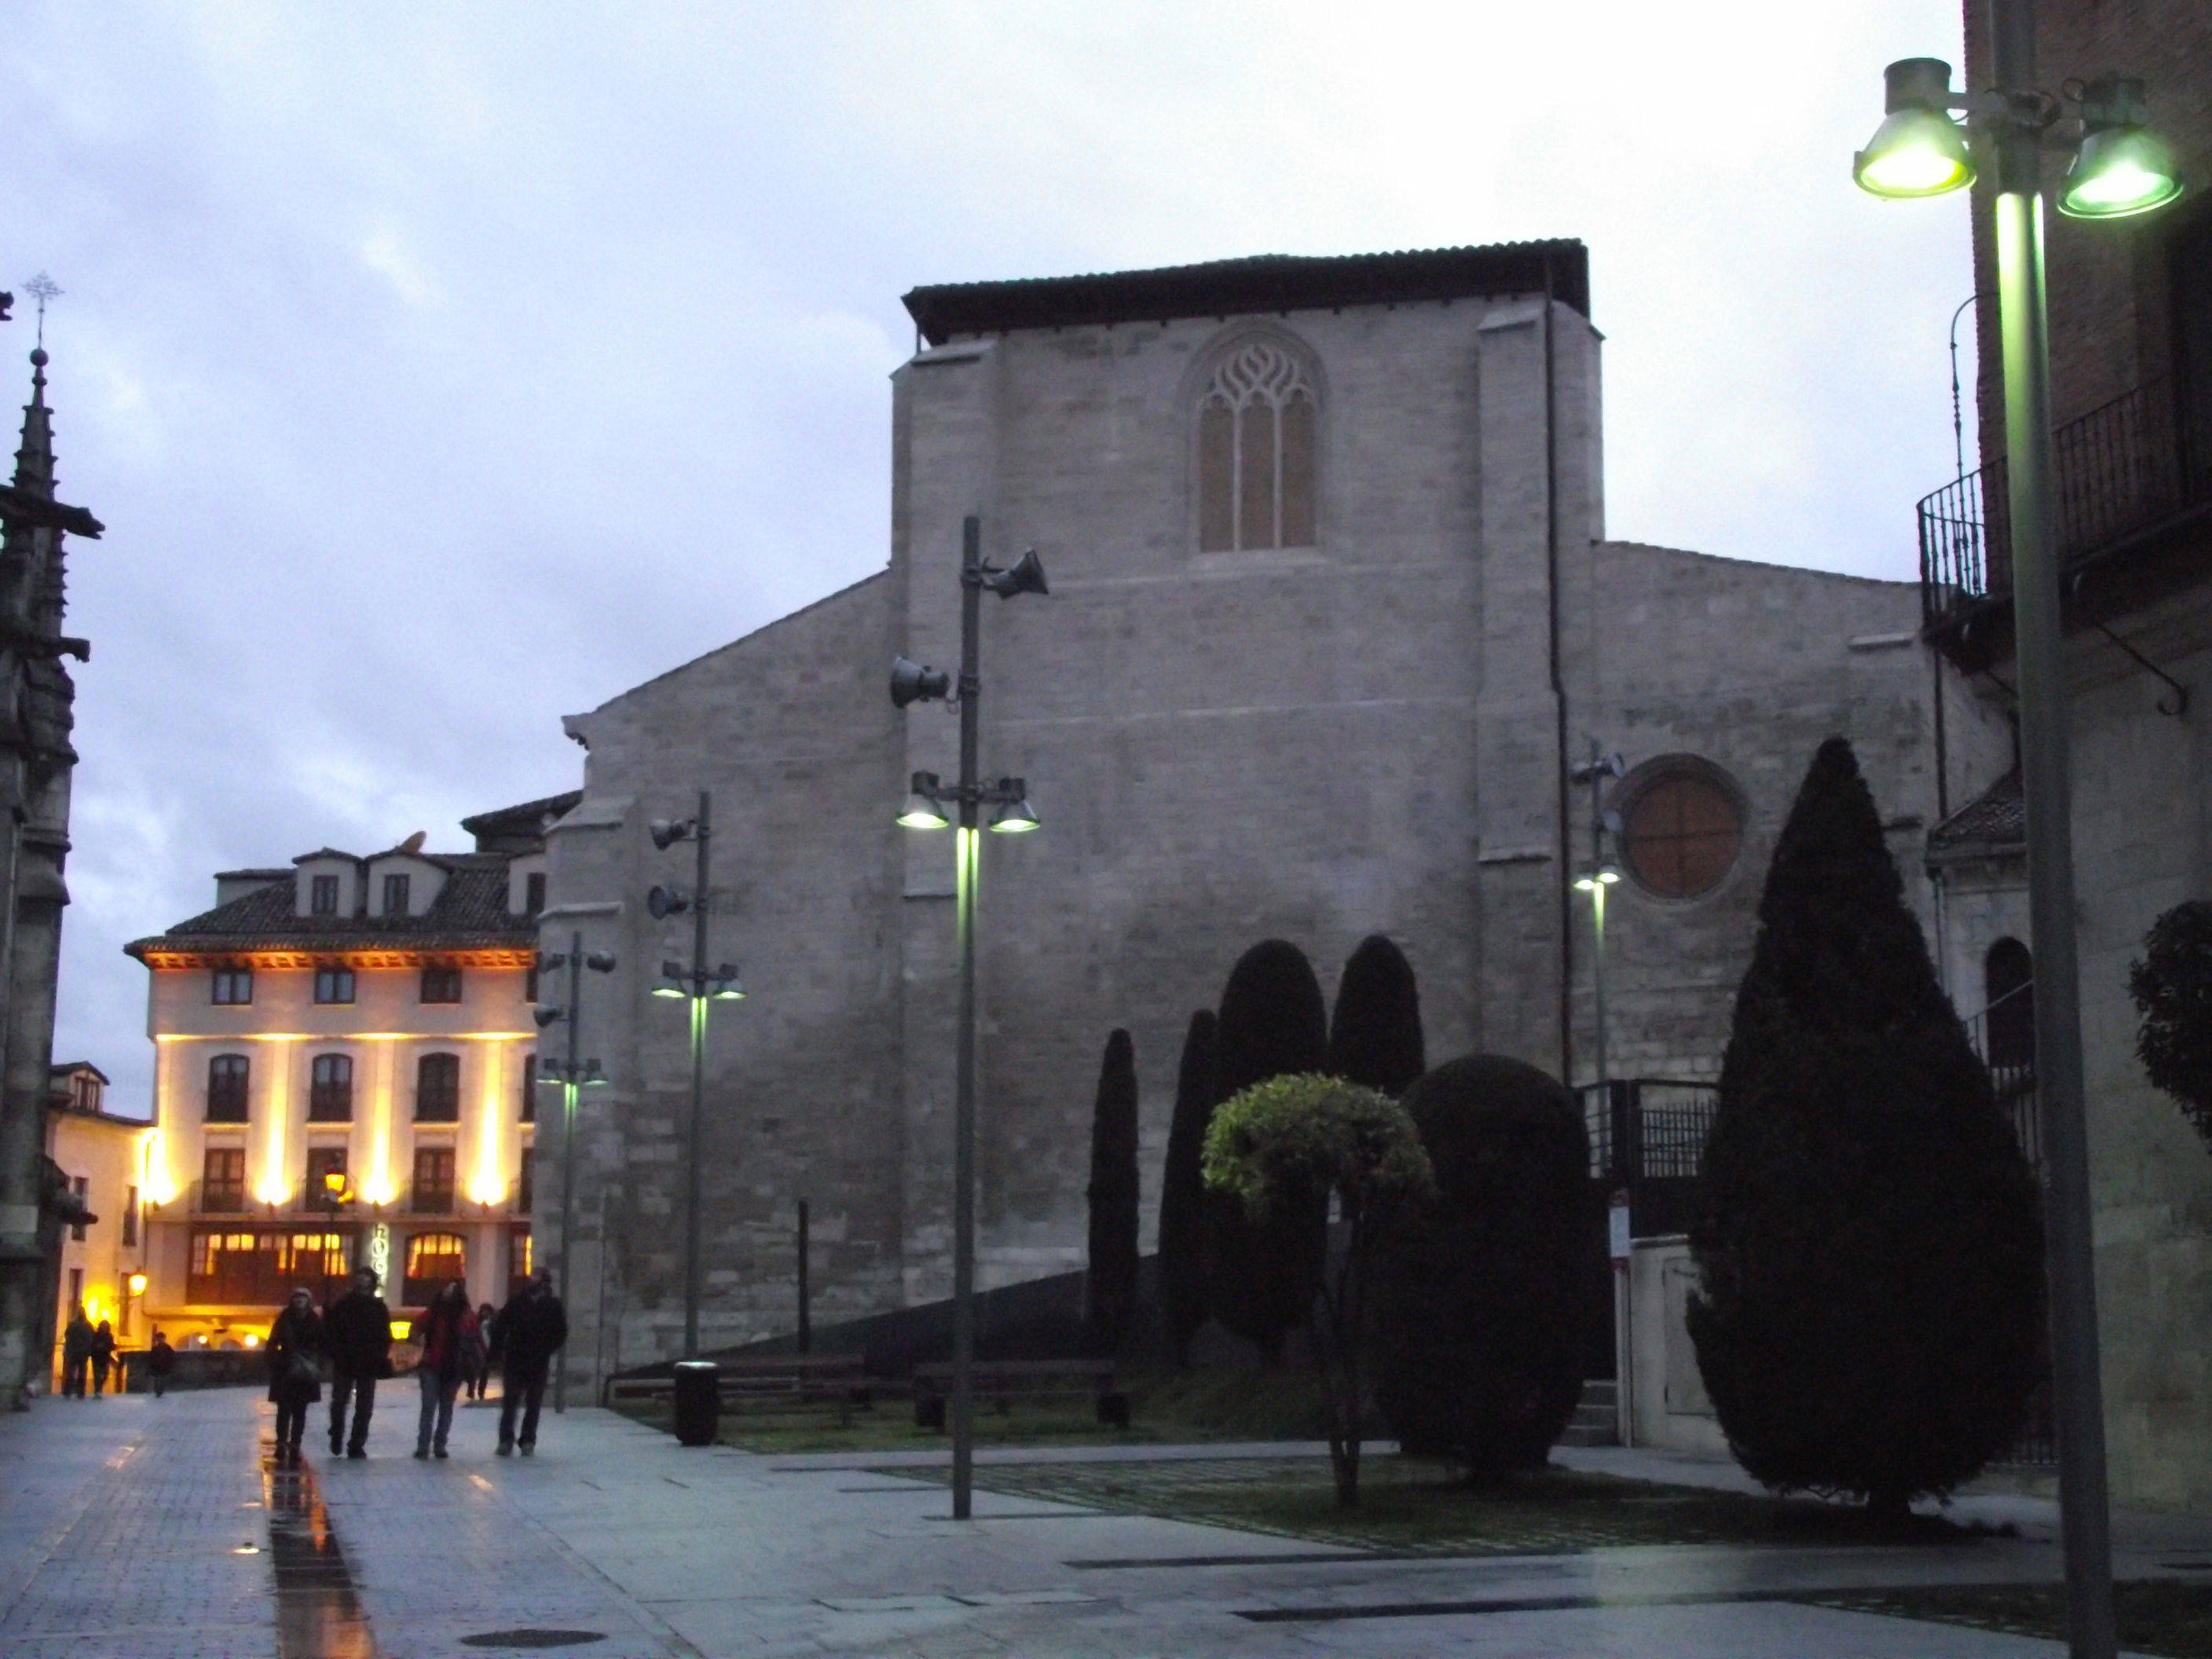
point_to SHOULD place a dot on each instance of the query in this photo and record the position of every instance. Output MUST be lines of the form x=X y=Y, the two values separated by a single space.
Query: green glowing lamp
x=1606 y=875
x=1918 y=150
x=922 y=809
x=2122 y=168
x=1015 y=816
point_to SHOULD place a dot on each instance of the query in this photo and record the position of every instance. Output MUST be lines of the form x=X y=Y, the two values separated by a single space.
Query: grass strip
x=2168 y=1616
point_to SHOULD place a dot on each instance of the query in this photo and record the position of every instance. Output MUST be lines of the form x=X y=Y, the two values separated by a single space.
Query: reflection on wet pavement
x=319 y=1611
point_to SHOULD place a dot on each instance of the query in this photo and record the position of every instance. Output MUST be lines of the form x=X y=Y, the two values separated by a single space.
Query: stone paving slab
x=136 y=1529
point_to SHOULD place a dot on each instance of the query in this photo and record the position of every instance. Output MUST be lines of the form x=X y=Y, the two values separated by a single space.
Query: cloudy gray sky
x=442 y=369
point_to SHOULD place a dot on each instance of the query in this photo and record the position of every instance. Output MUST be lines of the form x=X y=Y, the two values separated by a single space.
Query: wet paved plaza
x=136 y=1529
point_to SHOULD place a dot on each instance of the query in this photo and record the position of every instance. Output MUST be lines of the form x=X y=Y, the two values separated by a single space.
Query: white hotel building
x=345 y=1075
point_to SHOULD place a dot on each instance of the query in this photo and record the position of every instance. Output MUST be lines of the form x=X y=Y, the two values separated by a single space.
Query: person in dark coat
x=103 y=1356
x=76 y=1353
x=295 y=1349
x=443 y=1332
x=358 y=1333
x=160 y=1360
x=531 y=1329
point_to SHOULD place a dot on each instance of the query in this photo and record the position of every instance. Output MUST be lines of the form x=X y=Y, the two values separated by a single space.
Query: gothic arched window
x=2008 y=990
x=1257 y=444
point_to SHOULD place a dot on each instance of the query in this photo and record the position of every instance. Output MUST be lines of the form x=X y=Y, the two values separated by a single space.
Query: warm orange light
x=137 y=1283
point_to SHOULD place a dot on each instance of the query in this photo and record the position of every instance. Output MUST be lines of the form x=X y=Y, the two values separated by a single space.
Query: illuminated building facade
x=346 y=1076
x=99 y=1161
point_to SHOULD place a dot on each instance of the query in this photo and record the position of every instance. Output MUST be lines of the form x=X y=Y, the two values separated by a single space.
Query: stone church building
x=1333 y=613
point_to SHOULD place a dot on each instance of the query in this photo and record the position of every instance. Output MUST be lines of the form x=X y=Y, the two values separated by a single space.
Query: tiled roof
x=1266 y=283
x=470 y=911
x=1995 y=821
x=531 y=815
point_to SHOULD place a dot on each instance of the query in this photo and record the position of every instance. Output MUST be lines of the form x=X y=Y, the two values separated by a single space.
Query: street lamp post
x=572 y=1073
x=698 y=982
x=925 y=810
x=2119 y=169
x=1601 y=874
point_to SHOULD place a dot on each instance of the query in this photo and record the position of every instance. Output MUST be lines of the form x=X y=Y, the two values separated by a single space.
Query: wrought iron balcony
x=2127 y=472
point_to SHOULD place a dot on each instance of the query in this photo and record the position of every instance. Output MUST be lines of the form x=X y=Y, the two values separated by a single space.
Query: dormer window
x=323 y=895
x=395 y=896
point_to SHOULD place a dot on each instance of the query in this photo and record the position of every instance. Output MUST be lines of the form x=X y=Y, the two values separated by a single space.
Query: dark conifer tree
x=1111 y=1285
x=1374 y=1035
x=1477 y=1323
x=1183 y=1192
x=1868 y=1233
x=1262 y=1279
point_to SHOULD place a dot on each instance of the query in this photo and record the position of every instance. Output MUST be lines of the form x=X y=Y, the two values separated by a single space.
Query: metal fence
x=2125 y=467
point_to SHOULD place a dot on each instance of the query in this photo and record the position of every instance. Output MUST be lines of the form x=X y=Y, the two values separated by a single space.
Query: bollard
x=698 y=1402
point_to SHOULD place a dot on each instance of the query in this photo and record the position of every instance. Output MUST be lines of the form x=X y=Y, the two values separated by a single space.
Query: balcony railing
x=2125 y=468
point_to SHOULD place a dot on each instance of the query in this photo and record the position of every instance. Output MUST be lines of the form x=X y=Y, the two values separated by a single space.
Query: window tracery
x=1257 y=432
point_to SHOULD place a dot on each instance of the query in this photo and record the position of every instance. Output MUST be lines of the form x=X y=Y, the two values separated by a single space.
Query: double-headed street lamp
x=1011 y=814
x=2119 y=169
x=572 y=1073
x=701 y=984
x=1601 y=873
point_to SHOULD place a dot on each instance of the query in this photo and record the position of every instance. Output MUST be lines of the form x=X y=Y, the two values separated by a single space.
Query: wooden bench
x=794 y=1382
x=1001 y=1382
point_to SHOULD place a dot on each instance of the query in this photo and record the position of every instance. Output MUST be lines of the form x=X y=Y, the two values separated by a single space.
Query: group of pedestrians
x=350 y=1346
x=86 y=1346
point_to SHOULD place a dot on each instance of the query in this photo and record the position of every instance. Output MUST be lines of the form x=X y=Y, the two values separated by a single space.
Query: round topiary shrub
x=1478 y=1297
x=2172 y=990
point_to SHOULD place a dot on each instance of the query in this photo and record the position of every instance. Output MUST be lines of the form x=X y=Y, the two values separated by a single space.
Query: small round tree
x=1868 y=1235
x=1293 y=1140
x=1183 y=1192
x=1375 y=1035
x=1262 y=1275
x=1477 y=1326
x=1110 y=1287
x=2172 y=990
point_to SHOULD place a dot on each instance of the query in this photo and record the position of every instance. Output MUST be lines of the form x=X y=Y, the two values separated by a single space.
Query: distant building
x=344 y=1076
x=1332 y=614
x=99 y=1159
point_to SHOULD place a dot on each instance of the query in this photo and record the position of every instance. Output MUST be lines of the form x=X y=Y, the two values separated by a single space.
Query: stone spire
x=34 y=457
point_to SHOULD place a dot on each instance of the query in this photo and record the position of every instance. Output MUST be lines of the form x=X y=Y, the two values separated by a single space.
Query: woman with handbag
x=295 y=1351
x=442 y=1332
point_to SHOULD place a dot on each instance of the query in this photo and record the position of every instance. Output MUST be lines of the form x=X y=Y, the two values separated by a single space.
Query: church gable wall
x=790 y=732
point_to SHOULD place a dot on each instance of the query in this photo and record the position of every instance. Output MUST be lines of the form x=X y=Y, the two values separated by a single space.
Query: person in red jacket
x=442 y=1332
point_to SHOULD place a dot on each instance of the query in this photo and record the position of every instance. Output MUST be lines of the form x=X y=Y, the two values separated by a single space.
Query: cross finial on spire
x=42 y=288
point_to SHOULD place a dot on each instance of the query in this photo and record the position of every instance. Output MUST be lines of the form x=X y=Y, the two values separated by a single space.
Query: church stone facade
x=1332 y=612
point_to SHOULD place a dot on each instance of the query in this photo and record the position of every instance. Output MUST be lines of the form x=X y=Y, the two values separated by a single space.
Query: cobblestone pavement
x=134 y=1528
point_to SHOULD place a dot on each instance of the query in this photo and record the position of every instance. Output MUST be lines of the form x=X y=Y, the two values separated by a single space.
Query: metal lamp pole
x=571 y=1074
x=696 y=983
x=2085 y=1523
x=911 y=683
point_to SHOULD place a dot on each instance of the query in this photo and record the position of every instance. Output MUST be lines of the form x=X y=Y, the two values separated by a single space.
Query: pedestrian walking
x=103 y=1356
x=531 y=1329
x=76 y=1353
x=160 y=1360
x=357 y=1332
x=297 y=1354
x=444 y=1330
x=475 y=1355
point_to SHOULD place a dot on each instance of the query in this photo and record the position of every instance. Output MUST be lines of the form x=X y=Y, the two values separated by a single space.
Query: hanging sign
x=380 y=1252
x=1616 y=1230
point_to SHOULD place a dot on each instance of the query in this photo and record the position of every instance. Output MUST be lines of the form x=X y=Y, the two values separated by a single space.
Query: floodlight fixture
x=1026 y=577
x=727 y=989
x=663 y=903
x=911 y=682
x=2122 y=168
x=1015 y=816
x=600 y=962
x=667 y=832
x=1919 y=149
x=548 y=1017
x=924 y=808
x=672 y=978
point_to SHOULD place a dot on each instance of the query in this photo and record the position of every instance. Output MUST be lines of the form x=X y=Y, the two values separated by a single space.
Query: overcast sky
x=439 y=370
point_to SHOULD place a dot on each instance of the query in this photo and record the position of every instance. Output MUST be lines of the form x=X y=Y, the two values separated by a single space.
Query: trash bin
x=698 y=1402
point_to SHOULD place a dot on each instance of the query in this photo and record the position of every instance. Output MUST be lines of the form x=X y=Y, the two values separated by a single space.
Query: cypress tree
x=1374 y=1035
x=1868 y=1234
x=1262 y=1276
x=1182 y=1191
x=1476 y=1335
x=1111 y=1285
